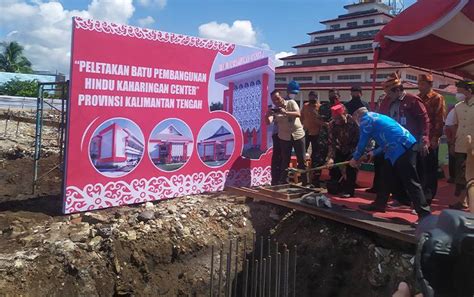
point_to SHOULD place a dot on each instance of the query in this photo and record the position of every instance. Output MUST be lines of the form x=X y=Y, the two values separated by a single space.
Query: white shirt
x=450 y=118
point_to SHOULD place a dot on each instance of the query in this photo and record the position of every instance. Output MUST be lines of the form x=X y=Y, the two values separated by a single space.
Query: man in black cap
x=356 y=100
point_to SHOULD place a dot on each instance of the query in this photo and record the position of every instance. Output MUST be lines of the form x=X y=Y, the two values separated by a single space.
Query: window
x=303 y=78
x=368 y=22
x=352 y=24
x=290 y=63
x=367 y=33
x=325 y=77
x=336 y=26
x=379 y=76
x=324 y=38
x=332 y=61
x=280 y=79
x=312 y=62
x=361 y=46
x=356 y=59
x=318 y=50
x=345 y=35
x=412 y=77
x=349 y=77
x=338 y=48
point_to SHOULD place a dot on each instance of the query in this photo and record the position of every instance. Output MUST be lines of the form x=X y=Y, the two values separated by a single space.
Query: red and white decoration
x=150 y=77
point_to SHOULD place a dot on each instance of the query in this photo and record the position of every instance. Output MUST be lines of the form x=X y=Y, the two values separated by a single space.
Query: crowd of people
x=401 y=136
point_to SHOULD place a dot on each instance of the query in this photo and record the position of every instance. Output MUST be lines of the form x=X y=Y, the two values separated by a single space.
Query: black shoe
x=372 y=207
x=371 y=190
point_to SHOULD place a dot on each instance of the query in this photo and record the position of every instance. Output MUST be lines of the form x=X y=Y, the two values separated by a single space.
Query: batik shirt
x=436 y=109
x=343 y=138
x=393 y=140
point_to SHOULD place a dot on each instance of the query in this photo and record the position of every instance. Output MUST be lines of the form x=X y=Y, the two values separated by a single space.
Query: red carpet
x=444 y=197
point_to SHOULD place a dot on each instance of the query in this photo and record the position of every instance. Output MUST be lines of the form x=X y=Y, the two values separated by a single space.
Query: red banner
x=155 y=115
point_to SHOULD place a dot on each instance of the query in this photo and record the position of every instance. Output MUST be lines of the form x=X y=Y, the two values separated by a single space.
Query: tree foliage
x=12 y=58
x=16 y=87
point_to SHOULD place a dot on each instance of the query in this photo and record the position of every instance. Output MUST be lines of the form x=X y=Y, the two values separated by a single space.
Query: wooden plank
x=338 y=213
x=286 y=192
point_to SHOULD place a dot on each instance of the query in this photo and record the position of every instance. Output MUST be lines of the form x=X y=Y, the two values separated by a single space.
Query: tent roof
x=433 y=34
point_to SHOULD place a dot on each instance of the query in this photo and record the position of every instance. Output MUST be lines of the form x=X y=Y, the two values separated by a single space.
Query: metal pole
x=63 y=126
x=286 y=273
x=17 y=126
x=39 y=122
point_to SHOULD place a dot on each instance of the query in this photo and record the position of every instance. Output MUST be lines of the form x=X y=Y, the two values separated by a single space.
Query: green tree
x=23 y=88
x=12 y=58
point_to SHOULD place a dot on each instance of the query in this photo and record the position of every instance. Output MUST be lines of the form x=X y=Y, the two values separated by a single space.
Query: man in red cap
x=436 y=109
x=343 y=138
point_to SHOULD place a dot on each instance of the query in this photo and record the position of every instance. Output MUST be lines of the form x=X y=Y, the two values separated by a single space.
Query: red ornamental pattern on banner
x=167 y=143
x=153 y=35
x=121 y=193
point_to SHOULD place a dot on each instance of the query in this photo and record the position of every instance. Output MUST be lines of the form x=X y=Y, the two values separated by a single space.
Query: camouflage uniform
x=320 y=152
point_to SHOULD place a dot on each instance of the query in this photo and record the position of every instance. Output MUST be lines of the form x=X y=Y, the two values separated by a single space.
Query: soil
x=164 y=248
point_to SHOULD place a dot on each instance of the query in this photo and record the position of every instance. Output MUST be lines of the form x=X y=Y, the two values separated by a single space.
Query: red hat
x=338 y=109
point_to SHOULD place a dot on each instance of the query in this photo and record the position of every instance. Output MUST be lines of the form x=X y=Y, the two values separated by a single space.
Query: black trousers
x=286 y=149
x=452 y=165
x=347 y=186
x=379 y=161
x=405 y=171
x=276 y=160
x=428 y=165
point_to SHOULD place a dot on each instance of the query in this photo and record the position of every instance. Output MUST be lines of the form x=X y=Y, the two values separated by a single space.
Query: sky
x=43 y=27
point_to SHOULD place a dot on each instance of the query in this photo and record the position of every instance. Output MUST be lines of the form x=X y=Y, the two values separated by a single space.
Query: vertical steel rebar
x=255 y=280
x=221 y=264
x=252 y=263
x=228 y=277
x=294 y=271
x=278 y=275
x=269 y=273
x=211 y=282
x=260 y=274
x=275 y=290
x=264 y=277
x=246 y=276
x=286 y=273
x=236 y=270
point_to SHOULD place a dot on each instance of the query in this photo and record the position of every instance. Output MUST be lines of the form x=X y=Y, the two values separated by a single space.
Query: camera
x=444 y=260
x=276 y=110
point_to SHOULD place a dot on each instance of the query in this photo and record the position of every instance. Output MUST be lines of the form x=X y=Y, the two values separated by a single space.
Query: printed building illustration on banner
x=247 y=99
x=115 y=147
x=170 y=146
x=218 y=147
